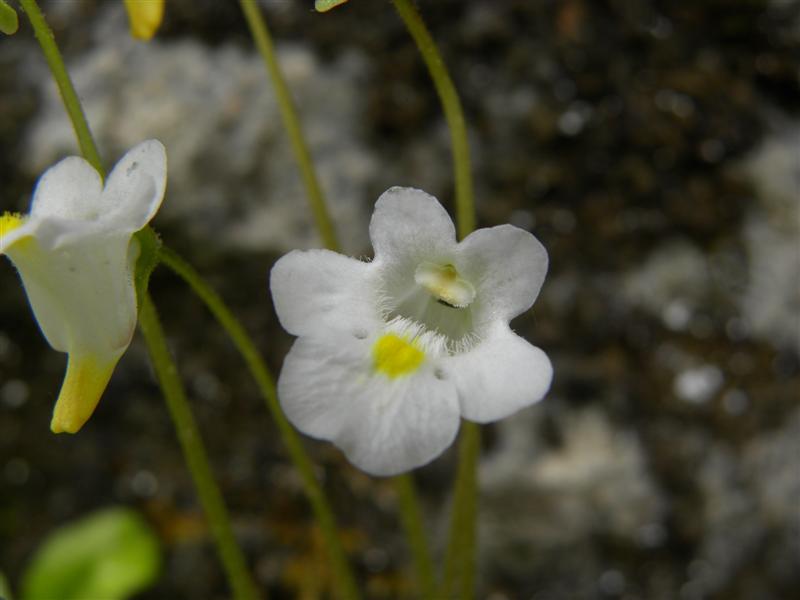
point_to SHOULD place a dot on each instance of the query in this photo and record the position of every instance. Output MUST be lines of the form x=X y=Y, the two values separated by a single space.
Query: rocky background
x=653 y=147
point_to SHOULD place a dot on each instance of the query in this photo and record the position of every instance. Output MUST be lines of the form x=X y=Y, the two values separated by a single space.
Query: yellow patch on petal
x=9 y=222
x=145 y=17
x=84 y=383
x=395 y=356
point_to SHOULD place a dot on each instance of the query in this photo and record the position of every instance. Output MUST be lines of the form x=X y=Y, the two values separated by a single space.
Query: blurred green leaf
x=111 y=554
x=9 y=22
x=5 y=588
x=326 y=5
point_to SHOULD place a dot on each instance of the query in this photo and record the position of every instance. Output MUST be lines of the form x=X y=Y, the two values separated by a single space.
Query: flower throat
x=440 y=300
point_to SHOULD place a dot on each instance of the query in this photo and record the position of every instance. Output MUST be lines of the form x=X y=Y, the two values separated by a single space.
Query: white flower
x=391 y=353
x=76 y=256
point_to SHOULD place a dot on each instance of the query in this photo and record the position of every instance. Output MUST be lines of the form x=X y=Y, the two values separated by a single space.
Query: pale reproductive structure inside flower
x=440 y=300
x=444 y=283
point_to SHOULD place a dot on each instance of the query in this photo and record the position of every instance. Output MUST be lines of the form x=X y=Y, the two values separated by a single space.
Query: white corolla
x=392 y=353
x=76 y=255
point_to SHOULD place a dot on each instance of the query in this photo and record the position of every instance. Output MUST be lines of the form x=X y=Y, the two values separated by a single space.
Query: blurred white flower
x=76 y=256
x=391 y=353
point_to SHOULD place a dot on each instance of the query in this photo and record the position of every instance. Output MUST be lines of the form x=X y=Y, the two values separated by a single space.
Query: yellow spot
x=84 y=383
x=9 y=222
x=145 y=16
x=395 y=356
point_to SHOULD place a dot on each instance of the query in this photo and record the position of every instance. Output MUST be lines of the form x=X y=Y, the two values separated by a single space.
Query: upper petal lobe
x=408 y=222
x=70 y=189
x=135 y=187
x=319 y=291
x=507 y=265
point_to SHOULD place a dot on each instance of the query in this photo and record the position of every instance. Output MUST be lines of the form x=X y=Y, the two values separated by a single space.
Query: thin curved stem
x=454 y=114
x=195 y=453
x=459 y=570
x=345 y=581
x=263 y=40
x=56 y=63
x=411 y=514
x=188 y=434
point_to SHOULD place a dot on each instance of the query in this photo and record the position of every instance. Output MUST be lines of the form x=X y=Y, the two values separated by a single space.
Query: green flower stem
x=460 y=553
x=459 y=571
x=189 y=436
x=345 y=581
x=194 y=452
x=411 y=514
x=409 y=504
x=454 y=114
x=56 y=63
x=263 y=41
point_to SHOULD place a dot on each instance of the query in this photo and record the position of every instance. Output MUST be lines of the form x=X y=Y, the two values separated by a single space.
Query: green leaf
x=9 y=23
x=111 y=554
x=326 y=5
x=5 y=588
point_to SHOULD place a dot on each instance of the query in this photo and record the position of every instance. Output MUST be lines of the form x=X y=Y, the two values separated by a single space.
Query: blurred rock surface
x=653 y=148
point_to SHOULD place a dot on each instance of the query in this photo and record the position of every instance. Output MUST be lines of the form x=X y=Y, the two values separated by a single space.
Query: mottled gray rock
x=751 y=502
x=771 y=303
x=543 y=502
x=771 y=465
x=671 y=283
x=664 y=464
x=233 y=180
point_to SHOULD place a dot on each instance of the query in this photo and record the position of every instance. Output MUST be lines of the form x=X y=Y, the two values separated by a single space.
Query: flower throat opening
x=444 y=283
x=439 y=300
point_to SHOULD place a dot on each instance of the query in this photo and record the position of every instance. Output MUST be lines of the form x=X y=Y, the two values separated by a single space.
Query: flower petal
x=408 y=223
x=144 y=17
x=499 y=376
x=330 y=390
x=319 y=291
x=408 y=228
x=507 y=266
x=70 y=189
x=84 y=383
x=82 y=295
x=70 y=204
x=135 y=187
x=76 y=257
